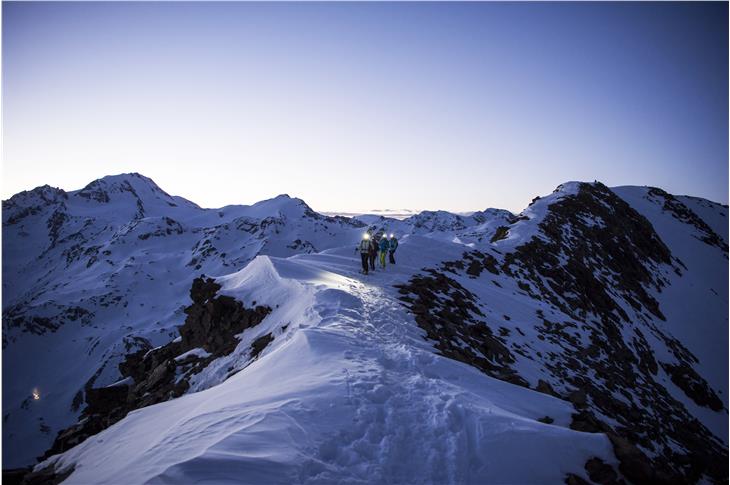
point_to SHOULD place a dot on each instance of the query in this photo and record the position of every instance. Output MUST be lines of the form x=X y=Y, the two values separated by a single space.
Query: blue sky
x=361 y=106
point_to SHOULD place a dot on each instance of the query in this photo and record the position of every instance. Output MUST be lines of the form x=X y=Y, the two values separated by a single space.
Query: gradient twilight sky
x=361 y=106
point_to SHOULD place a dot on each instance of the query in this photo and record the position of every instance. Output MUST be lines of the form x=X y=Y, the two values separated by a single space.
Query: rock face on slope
x=86 y=272
x=593 y=270
x=107 y=269
x=683 y=213
x=155 y=375
x=449 y=315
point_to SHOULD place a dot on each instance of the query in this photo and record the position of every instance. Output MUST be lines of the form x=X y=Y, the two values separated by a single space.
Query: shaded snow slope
x=584 y=300
x=702 y=325
x=92 y=275
x=345 y=380
x=349 y=393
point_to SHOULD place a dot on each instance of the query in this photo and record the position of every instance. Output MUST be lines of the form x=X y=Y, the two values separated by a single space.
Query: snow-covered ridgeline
x=107 y=280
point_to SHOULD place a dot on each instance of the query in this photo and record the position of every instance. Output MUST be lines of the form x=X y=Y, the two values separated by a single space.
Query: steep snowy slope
x=349 y=391
x=92 y=275
x=583 y=339
x=584 y=300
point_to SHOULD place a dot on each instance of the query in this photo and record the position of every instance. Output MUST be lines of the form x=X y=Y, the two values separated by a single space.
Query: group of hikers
x=372 y=245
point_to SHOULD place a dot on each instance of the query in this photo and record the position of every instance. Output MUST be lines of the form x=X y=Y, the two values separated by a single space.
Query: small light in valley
x=36 y=394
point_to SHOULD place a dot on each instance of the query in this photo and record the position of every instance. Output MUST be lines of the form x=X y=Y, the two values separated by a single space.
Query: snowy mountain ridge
x=552 y=337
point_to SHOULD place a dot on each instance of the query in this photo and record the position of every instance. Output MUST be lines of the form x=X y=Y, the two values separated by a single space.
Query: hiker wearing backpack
x=392 y=246
x=384 y=246
x=373 y=253
x=364 y=248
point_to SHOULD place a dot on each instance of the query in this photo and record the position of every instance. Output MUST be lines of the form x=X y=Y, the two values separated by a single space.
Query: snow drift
x=584 y=339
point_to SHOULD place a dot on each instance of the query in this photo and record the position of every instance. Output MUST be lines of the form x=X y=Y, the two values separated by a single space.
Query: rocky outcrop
x=155 y=375
x=599 y=257
x=260 y=344
x=447 y=312
x=45 y=476
x=693 y=385
x=501 y=233
x=19 y=317
x=31 y=202
x=684 y=214
x=597 y=262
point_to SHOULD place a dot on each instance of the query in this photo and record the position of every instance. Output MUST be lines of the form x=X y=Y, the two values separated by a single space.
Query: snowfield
x=351 y=393
x=499 y=349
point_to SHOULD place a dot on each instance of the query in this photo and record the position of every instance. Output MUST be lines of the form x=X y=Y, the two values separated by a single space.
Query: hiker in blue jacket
x=384 y=247
x=392 y=246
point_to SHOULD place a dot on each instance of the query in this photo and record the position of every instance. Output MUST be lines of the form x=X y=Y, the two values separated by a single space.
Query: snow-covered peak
x=440 y=220
x=129 y=196
x=44 y=193
x=569 y=188
x=31 y=202
x=107 y=189
x=280 y=206
x=92 y=282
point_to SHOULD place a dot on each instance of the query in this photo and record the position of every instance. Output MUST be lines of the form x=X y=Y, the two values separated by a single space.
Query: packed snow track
x=349 y=392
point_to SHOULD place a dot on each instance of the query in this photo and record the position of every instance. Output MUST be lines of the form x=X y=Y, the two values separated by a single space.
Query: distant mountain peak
x=43 y=192
x=31 y=202
x=124 y=180
x=142 y=190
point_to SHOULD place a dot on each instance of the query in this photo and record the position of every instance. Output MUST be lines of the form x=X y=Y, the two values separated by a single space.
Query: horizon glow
x=356 y=107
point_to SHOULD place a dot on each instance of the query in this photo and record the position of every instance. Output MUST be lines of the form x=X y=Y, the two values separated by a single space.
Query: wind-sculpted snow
x=86 y=271
x=583 y=339
x=349 y=392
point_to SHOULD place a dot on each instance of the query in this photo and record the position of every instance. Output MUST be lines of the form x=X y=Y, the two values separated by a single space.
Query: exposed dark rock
x=171 y=227
x=683 y=213
x=20 y=316
x=546 y=388
x=602 y=473
x=694 y=386
x=203 y=289
x=212 y=324
x=55 y=223
x=260 y=344
x=14 y=476
x=499 y=234
x=77 y=401
x=46 y=476
x=302 y=246
x=634 y=464
x=599 y=262
x=105 y=399
x=578 y=398
x=586 y=422
x=572 y=479
x=31 y=202
x=447 y=312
